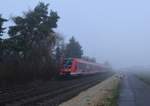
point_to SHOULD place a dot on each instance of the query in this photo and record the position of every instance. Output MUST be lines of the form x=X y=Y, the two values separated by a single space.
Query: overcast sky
x=113 y=30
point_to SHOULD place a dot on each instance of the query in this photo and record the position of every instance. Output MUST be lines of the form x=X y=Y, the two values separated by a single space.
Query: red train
x=75 y=67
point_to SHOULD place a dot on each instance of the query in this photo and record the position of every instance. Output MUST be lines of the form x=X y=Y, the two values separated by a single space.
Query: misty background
x=116 y=31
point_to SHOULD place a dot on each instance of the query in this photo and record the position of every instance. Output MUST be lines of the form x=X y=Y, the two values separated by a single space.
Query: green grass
x=113 y=99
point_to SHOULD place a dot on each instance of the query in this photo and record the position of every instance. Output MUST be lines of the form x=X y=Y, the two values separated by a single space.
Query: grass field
x=144 y=76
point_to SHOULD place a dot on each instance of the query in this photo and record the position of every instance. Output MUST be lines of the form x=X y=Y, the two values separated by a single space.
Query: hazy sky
x=113 y=30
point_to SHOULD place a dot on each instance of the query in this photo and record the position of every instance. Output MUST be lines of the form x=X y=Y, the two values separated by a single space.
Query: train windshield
x=67 y=63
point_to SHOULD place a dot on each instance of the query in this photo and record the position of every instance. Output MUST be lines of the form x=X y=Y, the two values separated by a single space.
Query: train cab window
x=67 y=63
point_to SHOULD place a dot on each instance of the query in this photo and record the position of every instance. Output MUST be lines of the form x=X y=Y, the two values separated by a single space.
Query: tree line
x=33 y=49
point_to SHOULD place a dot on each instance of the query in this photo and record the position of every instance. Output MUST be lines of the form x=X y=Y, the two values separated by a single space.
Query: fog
x=112 y=30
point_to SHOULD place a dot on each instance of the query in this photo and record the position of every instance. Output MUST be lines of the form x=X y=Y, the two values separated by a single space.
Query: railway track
x=51 y=94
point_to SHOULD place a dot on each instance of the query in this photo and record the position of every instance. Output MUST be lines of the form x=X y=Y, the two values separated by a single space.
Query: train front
x=66 y=67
